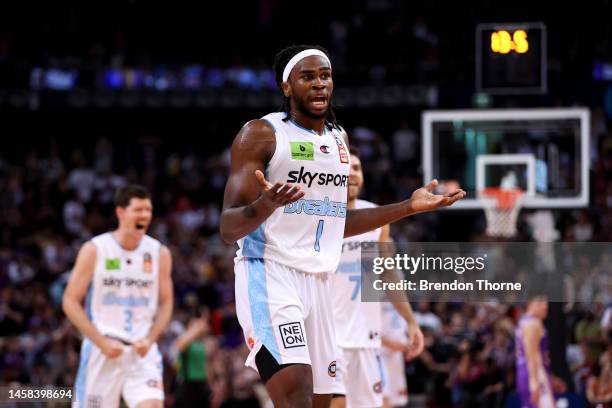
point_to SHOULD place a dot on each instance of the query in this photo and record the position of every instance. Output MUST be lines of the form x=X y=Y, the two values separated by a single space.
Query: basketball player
x=285 y=204
x=126 y=275
x=533 y=377
x=359 y=324
x=395 y=350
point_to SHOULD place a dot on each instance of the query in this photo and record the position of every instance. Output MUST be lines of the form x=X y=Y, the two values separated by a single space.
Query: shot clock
x=511 y=58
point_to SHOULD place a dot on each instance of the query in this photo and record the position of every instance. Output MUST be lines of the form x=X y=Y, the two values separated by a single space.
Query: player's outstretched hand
x=416 y=343
x=424 y=199
x=142 y=346
x=111 y=348
x=279 y=194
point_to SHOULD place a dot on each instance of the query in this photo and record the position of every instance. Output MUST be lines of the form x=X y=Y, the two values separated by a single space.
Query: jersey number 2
x=317 y=246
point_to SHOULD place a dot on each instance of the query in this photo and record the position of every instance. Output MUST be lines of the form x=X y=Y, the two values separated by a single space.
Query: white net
x=502 y=211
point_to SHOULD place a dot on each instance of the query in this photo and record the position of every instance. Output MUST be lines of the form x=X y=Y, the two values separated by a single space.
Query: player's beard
x=303 y=109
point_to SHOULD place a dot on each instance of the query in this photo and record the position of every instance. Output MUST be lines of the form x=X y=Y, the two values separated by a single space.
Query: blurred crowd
x=122 y=47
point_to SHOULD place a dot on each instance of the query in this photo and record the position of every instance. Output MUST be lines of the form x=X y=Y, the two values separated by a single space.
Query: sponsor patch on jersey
x=342 y=151
x=302 y=150
x=113 y=264
x=147 y=263
x=331 y=369
x=292 y=335
x=325 y=149
x=251 y=342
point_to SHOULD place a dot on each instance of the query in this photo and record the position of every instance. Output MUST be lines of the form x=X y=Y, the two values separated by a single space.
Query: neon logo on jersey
x=323 y=179
x=292 y=335
x=321 y=208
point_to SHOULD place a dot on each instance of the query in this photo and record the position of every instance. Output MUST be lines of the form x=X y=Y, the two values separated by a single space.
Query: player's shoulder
x=252 y=134
x=102 y=239
x=150 y=242
x=274 y=119
x=533 y=324
x=267 y=124
x=365 y=204
x=88 y=248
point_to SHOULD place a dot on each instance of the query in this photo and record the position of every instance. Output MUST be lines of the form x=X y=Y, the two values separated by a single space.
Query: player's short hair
x=355 y=151
x=280 y=62
x=126 y=193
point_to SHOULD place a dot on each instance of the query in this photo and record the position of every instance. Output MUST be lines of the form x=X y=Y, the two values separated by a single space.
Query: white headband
x=300 y=56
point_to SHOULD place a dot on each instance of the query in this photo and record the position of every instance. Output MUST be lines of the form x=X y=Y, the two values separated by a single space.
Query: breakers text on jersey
x=113 y=299
x=323 y=179
x=322 y=208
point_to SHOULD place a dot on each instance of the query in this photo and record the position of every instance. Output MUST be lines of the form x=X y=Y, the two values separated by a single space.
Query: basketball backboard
x=546 y=150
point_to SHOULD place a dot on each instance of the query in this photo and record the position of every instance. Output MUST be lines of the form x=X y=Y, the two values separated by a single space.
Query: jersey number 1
x=317 y=247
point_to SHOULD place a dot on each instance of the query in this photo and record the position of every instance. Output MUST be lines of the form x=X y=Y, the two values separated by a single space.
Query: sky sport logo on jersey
x=322 y=179
x=302 y=150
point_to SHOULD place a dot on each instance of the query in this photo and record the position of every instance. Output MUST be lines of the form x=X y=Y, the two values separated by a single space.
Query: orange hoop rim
x=506 y=198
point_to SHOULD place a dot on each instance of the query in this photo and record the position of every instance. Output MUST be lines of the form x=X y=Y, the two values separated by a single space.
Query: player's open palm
x=424 y=199
x=111 y=348
x=279 y=194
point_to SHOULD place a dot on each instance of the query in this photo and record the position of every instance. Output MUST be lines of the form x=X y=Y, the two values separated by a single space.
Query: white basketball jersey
x=122 y=299
x=357 y=323
x=394 y=327
x=307 y=234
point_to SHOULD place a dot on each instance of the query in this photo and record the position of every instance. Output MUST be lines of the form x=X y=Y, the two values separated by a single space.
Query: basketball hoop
x=502 y=216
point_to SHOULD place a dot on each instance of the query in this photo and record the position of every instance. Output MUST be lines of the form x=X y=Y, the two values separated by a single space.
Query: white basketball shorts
x=102 y=381
x=361 y=377
x=290 y=313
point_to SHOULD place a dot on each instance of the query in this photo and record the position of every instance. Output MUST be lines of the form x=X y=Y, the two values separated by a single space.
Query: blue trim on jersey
x=382 y=370
x=260 y=311
x=306 y=129
x=81 y=381
x=254 y=243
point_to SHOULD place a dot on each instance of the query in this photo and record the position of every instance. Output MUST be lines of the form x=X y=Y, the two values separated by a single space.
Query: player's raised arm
x=249 y=198
x=77 y=287
x=363 y=220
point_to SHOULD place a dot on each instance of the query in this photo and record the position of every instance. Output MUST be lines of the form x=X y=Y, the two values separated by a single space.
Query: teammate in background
x=285 y=204
x=359 y=324
x=395 y=350
x=534 y=380
x=126 y=275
